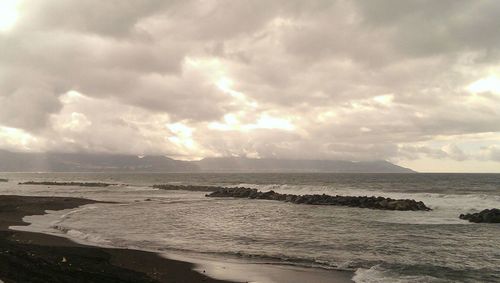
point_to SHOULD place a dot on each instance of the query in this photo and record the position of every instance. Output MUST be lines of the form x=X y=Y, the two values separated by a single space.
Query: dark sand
x=36 y=257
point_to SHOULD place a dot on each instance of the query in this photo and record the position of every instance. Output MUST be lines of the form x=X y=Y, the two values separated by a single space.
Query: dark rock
x=484 y=216
x=353 y=201
x=4 y=180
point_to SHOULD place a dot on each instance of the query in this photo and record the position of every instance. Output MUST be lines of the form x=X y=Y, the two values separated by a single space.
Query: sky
x=416 y=83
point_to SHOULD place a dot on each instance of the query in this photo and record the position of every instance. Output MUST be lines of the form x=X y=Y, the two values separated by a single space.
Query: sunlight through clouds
x=265 y=121
x=8 y=14
x=12 y=137
x=224 y=84
x=268 y=122
x=488 y=84
x=183 y=135
x=384 y=99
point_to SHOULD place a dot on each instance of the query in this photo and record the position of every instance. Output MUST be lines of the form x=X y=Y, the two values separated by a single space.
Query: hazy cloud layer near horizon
x=415 y=82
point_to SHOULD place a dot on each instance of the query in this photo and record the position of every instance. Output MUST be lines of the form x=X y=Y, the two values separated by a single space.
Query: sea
x=377 y=245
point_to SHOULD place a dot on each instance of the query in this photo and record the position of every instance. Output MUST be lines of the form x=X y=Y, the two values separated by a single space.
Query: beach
x=37 y=257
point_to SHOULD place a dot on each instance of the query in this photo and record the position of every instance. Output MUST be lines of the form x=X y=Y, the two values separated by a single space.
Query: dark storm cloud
x=428 y=27
x=28 y=108
x=111 y=18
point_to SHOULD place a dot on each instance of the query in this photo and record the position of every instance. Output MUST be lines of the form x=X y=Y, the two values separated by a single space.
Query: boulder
x=484 y=216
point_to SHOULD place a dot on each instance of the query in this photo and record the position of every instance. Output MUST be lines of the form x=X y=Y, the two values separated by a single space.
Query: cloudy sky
x=413 y=82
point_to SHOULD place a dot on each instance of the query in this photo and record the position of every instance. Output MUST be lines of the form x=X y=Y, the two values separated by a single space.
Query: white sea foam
x=86 y=238
x=376 y=274
x=52 y=223
x=43 y=223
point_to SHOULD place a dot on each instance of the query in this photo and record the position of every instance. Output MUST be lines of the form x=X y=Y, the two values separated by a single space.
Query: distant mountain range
x=288 y=165
x=84 y=162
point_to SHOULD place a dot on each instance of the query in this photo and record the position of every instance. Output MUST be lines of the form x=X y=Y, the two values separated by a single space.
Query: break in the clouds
x=415 y=82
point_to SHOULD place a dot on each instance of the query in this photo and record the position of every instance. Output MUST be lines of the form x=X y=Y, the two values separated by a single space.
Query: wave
x=95 y=239
x=377 y=274
x=73 y=211
x=82 y=237
x=87 y=236
x=273 y=260
x=420 y=273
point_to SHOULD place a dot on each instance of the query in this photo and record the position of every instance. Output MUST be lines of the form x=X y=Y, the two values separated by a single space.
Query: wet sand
x=35 y=257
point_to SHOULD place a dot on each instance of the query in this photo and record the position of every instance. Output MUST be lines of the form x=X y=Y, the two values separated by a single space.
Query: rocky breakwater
x=484 y=216
x=352 y=201
x=81 y=184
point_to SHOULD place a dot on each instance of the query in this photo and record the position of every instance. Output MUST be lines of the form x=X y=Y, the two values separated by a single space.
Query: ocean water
x=379 y=246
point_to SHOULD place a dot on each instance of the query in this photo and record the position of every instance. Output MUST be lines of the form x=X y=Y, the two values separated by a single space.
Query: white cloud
x=8 y=14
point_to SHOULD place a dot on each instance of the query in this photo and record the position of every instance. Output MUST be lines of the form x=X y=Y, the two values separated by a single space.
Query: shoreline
x=30 y=256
